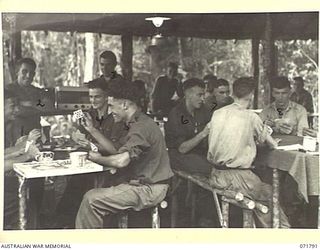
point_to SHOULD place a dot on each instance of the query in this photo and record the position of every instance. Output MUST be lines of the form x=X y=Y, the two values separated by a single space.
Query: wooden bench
x=227 y=197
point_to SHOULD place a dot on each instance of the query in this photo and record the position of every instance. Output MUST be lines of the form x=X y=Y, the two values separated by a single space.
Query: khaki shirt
x=295 y=112
x=147 y=149
x=234 y=132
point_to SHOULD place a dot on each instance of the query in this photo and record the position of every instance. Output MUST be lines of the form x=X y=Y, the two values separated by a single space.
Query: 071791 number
x=308 y=246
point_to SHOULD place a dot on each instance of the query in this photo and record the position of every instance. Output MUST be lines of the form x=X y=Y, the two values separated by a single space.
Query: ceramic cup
x=78 y=159
x=45 y=157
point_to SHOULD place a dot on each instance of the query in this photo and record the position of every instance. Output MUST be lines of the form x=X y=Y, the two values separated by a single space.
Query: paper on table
x=290 y=147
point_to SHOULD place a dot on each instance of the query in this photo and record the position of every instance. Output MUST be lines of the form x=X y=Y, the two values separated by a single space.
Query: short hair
x=173 y=65
x=97 y=83
x=299 y=79
x=26 y=60
x=107 y=54
x=280 y=82
x=120 y=88
x=189 y=83
x=243 y=86
x=209 y=77
x=222 y=82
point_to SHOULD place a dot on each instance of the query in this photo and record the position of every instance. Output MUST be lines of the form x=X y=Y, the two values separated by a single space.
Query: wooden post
x=269 y=56
x=255 y=64
x=14 y=48
x=126 y=59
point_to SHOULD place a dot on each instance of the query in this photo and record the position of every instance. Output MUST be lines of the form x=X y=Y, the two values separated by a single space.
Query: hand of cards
x=78 y=114
x=80 y=138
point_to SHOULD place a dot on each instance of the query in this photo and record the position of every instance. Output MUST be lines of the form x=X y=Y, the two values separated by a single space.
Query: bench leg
x=193 y=209
x=275 y=199
x=155 y=217
x=247 y=218
x=123 y=220
x=225 y=214
x=218 y=208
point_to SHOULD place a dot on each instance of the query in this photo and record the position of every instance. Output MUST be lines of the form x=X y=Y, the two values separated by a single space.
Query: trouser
x=192 y=163
x=101 y=202
x=77 y=186
x=246 y=182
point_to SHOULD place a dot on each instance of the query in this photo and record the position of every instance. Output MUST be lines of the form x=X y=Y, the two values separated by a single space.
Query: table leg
x=275 y=199
x=318 y=211
x=22 y=194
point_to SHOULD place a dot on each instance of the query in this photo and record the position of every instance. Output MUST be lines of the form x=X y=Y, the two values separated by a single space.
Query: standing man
x=186 y=130
x=28 y=117
x=234 y=132
x=165 y=88
x=300 y=95
x=108 y=63
x=283 y=115
x=143 y=155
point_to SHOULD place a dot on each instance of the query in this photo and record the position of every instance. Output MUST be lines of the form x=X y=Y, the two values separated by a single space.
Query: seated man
x=234 y=132
x=143 y=155
x=186 y=130
x=283 y=115
x=102 y=124
x=100 y=129
x=217 y=94
x=15 y=152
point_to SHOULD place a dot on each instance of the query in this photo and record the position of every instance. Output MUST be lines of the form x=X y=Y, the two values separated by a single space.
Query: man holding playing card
x=143 y=155
x=20 y=150
x=283 y=115
x=99 y=126
x=99 y=132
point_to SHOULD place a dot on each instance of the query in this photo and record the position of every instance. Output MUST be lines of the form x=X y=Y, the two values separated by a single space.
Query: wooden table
x=30 y=170
x=303 y=167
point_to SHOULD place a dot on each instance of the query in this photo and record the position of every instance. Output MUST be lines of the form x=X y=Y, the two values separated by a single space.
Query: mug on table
x=45 y=157
x=78 y=159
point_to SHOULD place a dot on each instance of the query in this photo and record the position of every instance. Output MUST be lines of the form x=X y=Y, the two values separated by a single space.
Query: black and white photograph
x=160 y=120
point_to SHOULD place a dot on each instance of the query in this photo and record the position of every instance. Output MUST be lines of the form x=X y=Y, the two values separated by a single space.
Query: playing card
x=270 y=130
x=78 y=114
x=94 y=148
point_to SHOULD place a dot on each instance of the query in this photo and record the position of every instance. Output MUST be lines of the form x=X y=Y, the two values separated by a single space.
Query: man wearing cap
x=143 y=155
